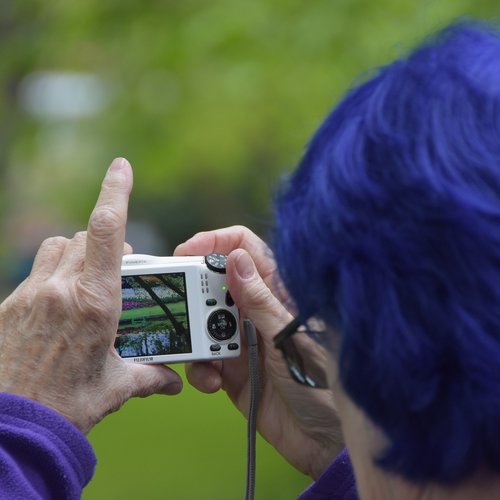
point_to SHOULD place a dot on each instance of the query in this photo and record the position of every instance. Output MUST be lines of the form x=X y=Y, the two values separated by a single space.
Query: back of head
x=390 y=231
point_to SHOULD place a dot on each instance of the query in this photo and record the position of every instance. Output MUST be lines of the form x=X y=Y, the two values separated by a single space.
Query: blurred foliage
x=211 y=102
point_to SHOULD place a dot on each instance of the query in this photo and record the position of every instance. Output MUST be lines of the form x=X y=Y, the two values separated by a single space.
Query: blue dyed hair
x=389 y=230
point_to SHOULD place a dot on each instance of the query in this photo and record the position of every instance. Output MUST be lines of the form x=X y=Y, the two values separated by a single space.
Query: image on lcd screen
x=154 y=319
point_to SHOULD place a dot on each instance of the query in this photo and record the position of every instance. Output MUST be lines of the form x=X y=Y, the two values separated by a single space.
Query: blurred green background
x=212 y=102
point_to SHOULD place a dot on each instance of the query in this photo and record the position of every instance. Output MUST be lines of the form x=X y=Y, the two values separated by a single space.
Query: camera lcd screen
x=154 y=319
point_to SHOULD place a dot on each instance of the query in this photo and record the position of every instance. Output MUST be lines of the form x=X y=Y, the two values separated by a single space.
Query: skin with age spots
x=57 y=329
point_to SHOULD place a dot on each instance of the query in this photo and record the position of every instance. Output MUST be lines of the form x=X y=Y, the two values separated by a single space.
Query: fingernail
x=119 y=169
x=245 y=266
x=118 y=164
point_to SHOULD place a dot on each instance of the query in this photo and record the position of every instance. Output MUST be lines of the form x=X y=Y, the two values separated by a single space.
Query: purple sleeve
x=42 y=455
x=336 y=483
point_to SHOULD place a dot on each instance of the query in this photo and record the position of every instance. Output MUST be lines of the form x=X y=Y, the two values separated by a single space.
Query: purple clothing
x=336 y=483
x=42 y=455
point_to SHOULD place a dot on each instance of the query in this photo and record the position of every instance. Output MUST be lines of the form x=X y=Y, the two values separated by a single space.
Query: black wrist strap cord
x=253 y=373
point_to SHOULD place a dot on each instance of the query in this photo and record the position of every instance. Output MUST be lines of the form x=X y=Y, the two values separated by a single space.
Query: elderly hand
x=57 y=329
x=300 y=422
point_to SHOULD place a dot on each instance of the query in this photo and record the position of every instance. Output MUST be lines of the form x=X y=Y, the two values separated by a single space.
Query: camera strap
x=253 y=373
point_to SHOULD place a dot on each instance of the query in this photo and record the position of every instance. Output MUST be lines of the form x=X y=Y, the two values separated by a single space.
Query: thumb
x=154 y=379
x=253 y=297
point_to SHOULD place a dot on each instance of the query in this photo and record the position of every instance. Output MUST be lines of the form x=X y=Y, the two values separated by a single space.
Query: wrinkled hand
x=57 y=329
x=300 y=422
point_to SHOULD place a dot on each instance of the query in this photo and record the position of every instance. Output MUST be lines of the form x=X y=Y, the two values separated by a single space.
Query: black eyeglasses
x=306 y=358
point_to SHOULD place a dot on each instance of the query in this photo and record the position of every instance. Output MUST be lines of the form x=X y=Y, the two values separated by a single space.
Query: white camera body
x=176 y=310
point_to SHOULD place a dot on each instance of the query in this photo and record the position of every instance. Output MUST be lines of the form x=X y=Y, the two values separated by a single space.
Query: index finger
x=228 y=239
x=106 y=229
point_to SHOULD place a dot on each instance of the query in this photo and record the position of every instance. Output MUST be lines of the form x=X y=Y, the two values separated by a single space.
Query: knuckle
x=260 y=299
x=199 y=234
x=260 y=296
x=80 y=236
x=202 y=236
x=54 y=243
x=242 y=231
x=246 y=238
x=98 y=308
x=105 y=221
x=239 y=228
x=51 y=295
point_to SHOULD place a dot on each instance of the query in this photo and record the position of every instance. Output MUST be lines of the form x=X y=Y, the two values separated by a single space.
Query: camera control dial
x=221 y=324
x=216 y=262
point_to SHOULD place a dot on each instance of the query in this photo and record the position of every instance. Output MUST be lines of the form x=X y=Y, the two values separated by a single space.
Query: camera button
x=229 y=300
x=233 y=347
x=215 y=347
x=222 y=324
x=211 y=302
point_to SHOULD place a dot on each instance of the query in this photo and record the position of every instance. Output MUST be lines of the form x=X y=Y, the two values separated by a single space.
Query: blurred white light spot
x=63 y=95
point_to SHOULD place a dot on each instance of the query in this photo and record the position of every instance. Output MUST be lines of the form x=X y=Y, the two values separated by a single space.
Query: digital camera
x=176 y=309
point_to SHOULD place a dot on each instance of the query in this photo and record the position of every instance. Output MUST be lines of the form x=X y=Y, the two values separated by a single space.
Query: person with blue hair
x=387 y=243
x=387 y=246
